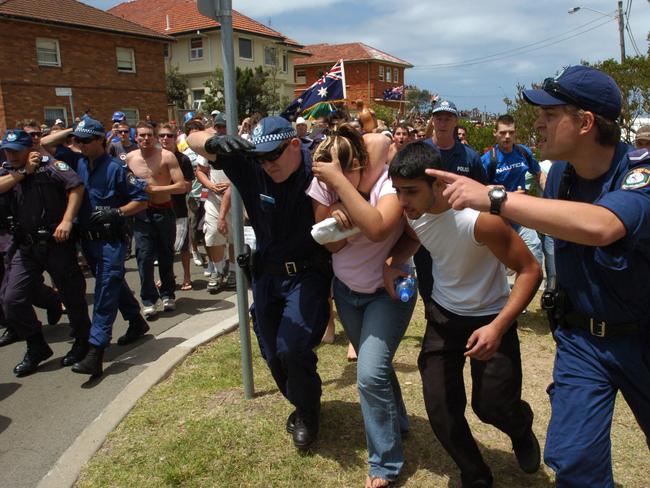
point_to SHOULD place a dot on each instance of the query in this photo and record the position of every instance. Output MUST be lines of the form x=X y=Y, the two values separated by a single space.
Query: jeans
x=548 y=246
x=375 y=324
x=155 y=233
x=530 y=237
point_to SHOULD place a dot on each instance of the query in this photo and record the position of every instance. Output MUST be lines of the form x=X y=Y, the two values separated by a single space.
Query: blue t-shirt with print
x=511 y=167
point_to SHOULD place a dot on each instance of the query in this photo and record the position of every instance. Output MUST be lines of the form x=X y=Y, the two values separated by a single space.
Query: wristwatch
x=497 y=195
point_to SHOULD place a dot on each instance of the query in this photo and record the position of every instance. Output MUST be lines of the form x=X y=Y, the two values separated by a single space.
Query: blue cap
x=220 y=119
x=582 y=86
x=445 y=106
x=16 y=140
x=187 y=117
x=270 y=132
x=88 y=128
x=118 y=117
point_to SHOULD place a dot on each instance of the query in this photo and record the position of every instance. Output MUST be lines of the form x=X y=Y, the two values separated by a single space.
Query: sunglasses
x=123 y=131
x=36 y=134
x=272 y=155
x=163 y=136
x=84 y=140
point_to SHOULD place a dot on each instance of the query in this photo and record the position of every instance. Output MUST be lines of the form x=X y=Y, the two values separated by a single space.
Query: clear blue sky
x=470 y=51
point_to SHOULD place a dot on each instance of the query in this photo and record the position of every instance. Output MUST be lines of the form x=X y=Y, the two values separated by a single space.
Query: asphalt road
x=42 y=414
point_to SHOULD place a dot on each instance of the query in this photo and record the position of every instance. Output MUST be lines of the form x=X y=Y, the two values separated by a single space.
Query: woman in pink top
x=373 y=321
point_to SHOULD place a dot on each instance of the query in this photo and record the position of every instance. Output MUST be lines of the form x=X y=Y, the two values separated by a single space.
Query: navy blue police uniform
x=603 y=345
x=108 y=186
x=600 y=312
x=291 y=272
x=38 y=203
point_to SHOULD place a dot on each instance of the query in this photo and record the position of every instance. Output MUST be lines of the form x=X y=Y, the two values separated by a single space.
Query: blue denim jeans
x=375 y=324
x=155 y=233
x=530 y=237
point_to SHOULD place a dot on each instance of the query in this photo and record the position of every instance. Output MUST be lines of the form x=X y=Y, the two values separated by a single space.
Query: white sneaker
x=169 y=304
x=150 y=311
x=198 y=260
x=216 y=282
x=209 y=270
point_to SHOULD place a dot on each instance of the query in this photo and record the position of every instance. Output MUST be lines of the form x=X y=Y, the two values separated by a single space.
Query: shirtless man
x=155 y=228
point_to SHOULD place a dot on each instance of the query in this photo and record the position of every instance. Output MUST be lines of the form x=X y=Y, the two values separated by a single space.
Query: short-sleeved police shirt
x=462 y=160
x=610 y=283
x=280 y=213
x=511 y=167
x=40 y=200
x=108 y=185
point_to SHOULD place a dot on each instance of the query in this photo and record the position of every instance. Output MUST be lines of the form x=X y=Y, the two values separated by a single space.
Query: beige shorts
x=212 y=235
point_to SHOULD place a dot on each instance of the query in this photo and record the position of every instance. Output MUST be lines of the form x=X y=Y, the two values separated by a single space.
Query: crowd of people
x=411 y=196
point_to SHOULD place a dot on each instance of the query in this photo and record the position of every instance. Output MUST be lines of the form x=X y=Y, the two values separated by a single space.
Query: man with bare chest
x=155 y=228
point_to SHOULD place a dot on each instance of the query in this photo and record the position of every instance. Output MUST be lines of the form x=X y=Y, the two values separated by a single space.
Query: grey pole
x=621 y=27
x=224 y=12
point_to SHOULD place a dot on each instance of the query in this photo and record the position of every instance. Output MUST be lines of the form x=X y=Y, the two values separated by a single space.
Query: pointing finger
x=445 y=176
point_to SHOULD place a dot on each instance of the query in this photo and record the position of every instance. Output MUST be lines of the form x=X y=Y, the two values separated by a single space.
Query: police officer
x=45 y=200
x=597 y=211
x=111 y=194
x=291 y=273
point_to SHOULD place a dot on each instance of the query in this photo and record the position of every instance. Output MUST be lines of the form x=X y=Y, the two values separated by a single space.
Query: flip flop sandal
x=186 y=287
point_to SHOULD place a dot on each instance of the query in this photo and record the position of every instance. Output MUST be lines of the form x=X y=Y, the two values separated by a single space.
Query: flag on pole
x=329 y=88
x=396 y=93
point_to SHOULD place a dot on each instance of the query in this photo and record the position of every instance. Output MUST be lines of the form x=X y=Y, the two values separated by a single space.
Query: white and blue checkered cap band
x=289 y=133
x=88 y=131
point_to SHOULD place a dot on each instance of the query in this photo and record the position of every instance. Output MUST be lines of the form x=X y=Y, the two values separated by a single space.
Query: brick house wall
x=357 y=74
x=88 y=66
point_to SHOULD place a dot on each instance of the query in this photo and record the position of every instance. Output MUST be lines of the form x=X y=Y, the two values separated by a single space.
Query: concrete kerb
x=67 y=468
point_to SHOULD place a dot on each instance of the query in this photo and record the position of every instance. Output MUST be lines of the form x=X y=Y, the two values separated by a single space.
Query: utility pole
x=621 y=29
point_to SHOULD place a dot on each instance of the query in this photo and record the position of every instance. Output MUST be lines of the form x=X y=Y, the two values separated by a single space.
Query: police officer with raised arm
x=597 y=208
x=45 y=199
x=112 y=193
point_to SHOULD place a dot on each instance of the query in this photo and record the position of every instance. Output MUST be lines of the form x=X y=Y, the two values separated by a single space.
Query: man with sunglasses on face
x=125 y=145
x=45 y=198
x=291 y=272
x=33 y=128
x=597 y=208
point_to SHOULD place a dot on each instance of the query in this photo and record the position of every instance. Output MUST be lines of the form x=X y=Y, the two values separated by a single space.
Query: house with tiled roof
x=196 y=50
x=368 y=71
x=60 y=58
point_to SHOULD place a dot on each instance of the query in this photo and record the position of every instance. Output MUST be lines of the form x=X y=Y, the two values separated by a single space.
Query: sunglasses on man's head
x=271 y=155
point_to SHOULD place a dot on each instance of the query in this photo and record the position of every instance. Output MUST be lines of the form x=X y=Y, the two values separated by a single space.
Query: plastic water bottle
x=328 y=231
x=406 y=286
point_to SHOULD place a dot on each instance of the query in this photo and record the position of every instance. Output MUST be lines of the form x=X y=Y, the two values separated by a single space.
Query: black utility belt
x=42 y=236
x=288 y=268
x=102 y=234
x=602 y=329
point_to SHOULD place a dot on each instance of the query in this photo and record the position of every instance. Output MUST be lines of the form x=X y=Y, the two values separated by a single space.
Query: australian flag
x=329 y=88
x=396 y=93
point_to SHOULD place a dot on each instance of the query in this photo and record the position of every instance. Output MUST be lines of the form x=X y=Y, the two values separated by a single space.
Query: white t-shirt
x=216 y=176
x=467 y=278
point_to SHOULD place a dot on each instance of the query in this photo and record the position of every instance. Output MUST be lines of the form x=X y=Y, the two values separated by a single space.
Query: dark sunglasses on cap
x=552 y=87
x=272 y=155
x=165 y=135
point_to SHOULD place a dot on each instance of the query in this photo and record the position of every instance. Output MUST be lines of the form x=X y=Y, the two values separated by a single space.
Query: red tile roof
x=181 y=16
x=353 y=51
x=72 y=13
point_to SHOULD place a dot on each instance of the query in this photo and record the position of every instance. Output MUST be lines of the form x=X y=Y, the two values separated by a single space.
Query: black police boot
x=137 y=328
x=527 y=452
x=54 y=314
x=76 y=353
x=8 y=337
x=305 y=429
x=92 y=363
x=37 y=352
x=291 y=422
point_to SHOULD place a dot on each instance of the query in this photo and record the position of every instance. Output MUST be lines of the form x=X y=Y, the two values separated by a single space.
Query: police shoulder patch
x=636 y=178
x=132 y=180
x=123 y=157
x=61 y=166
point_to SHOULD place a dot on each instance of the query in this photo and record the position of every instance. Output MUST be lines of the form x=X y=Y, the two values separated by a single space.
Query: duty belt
x=99 y=234
x=288 y=268
x=599 y=328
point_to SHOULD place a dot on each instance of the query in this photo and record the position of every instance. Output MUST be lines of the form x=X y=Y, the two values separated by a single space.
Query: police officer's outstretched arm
x=209 y=145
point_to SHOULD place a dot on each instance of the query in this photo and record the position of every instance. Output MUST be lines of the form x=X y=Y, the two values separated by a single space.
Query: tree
x=176 y=85
x=254 y=93
x=418 y=101
x=524 y=114
x=384 y=113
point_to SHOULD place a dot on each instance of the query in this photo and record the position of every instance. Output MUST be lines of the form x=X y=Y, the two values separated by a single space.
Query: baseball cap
x=16 y=140
x=269 y=133
x=301 y=120
x=118 y=117
x=88 y=127
x=220 y=119
x=585 y=87
x=445 y=106
x=187 y=117
x=643 y=133
x=215 y=112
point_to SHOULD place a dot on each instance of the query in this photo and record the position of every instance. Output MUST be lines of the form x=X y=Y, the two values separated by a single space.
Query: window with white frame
x=52 y=114
x=285 y=63
x=132 y=115
x=381 y=72
x=198 y=95
x=245 y=48
x=270 y=56
x=196 y=48
x=388 y=74
x=395 y=75
x=47 y=52
x=125 y=59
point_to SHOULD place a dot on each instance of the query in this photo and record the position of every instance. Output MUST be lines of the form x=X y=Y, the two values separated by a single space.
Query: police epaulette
x=639 y=155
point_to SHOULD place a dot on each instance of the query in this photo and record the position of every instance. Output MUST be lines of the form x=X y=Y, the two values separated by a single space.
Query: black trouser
x=496 y=388
x=23 y=281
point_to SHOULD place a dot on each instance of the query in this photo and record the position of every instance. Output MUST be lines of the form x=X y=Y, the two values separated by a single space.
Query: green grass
x=195 y=429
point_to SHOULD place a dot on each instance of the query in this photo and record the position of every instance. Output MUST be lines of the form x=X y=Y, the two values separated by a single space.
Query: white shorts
x=212 y=235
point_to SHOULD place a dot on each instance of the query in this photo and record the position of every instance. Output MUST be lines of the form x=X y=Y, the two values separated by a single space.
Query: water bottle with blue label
x=406 y=286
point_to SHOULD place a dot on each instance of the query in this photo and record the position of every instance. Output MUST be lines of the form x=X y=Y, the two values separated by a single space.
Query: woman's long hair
x=347 y=143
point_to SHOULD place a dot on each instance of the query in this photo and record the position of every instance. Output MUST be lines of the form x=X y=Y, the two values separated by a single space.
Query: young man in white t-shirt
x=474 y=315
